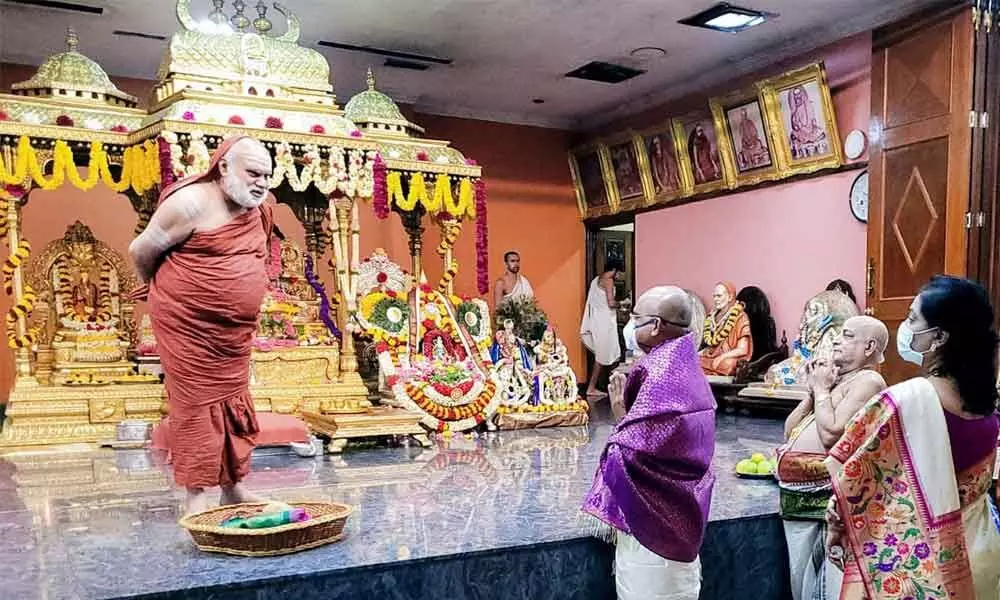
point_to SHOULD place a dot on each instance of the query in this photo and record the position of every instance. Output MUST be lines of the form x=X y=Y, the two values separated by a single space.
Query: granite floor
x=84 y=524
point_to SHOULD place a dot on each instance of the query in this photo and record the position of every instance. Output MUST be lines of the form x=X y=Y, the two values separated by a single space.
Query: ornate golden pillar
x=22 y=357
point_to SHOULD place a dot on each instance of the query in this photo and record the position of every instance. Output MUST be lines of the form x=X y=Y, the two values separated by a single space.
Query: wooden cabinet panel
x=920 y=160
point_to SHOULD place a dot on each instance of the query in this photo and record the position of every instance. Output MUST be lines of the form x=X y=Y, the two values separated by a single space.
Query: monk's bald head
x=662 y=313
x=862 y=344
x=245 y=172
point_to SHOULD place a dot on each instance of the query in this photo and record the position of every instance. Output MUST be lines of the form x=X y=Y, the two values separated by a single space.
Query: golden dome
x=371 y=109
x=72 y=76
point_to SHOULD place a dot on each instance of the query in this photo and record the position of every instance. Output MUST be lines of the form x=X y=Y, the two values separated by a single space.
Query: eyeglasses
x=637 y=316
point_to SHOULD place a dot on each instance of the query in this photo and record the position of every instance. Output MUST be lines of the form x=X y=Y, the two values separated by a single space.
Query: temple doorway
x=610 y=242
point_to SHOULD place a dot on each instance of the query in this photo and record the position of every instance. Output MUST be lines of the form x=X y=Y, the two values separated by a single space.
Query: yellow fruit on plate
x=746 y=467
x=764 y=468
x=757 y=457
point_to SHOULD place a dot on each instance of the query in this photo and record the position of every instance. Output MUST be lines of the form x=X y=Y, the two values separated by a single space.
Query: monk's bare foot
x=239 y=494
x=196 y=502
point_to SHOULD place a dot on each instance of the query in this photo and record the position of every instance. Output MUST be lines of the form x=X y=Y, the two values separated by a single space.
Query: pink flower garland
x=167 y=176
x=380 y=191
x=482 y=240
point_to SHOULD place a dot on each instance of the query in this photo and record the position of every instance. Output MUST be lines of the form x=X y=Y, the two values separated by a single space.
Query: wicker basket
x=325 y=526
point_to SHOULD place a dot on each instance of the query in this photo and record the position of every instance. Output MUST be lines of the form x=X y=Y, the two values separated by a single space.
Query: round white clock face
x=859 y=197
x=854 y=144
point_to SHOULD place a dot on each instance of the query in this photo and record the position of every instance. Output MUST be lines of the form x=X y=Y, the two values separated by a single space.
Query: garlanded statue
x=822 y=321
x=727 y=338
x=555 y=381
x=513 y=367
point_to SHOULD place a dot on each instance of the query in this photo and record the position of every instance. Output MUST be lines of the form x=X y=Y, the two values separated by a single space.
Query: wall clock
x=859 y=197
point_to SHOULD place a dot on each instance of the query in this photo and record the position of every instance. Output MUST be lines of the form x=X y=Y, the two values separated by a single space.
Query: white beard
x=239 y=192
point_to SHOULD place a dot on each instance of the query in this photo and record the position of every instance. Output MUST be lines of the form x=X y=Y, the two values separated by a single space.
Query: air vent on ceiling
x=397 y=63
x=605 y=72
x=69 y=6
x=387 y=53
x=136 y=34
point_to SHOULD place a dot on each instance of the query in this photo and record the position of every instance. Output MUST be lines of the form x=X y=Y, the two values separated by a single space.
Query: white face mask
x=240 y=193
x=628 y=332
x=904 y=344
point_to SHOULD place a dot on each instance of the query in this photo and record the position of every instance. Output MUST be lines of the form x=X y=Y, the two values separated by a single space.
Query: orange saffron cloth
x=204 y=300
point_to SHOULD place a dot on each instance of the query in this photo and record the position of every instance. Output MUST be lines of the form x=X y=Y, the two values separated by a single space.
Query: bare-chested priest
x=836 y=392
x=511 y=284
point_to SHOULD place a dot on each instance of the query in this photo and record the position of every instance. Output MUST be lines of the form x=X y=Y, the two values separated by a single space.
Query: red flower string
x=482 y=240
x=166 y=169
x=380 y=190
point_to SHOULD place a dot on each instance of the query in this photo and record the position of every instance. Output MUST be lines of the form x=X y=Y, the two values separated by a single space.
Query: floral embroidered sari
x=913 y=527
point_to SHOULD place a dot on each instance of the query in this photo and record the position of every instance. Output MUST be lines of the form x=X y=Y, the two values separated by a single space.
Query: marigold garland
x=714 y=337
x=25 y=303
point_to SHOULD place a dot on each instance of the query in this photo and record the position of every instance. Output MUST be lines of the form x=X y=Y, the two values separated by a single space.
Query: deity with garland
x=555 y=381
x=822 y=321
x=727 y=339
x=513 y=368
x=433 y=350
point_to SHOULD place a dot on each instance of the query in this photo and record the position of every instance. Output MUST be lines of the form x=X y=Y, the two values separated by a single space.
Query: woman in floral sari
x=911 y=515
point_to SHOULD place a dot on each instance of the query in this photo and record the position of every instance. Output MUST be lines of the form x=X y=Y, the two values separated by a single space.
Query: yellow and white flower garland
x=440 y=198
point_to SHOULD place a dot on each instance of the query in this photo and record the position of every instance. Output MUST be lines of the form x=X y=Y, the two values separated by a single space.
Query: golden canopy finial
x=374 y=111
x=71 y=40
x=371 y=80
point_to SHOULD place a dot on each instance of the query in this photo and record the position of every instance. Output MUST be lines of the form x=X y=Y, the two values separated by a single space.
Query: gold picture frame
x=625 y=181
x=698 y=136
x=589 y=165
x=662 y=171
x=747 y=144
x=803 y=124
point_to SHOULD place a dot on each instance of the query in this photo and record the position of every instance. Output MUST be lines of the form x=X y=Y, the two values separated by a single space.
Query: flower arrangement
x=236 y=120
x=64 y=121
x=529 y=320
x=274 y=123
x=317 y=129
x=357 y=133
x=119 y=128
x=4 y=116
x=188 y=116
x=423 y=156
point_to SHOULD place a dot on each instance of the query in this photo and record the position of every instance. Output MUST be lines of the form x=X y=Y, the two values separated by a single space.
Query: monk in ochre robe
x=203 y=255
x=727 y=338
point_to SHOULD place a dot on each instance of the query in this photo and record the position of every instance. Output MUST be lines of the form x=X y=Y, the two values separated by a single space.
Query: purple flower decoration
x=900 y=486
x=922 y=550
x=188 y=116
x=891 y=540
x=870 y=549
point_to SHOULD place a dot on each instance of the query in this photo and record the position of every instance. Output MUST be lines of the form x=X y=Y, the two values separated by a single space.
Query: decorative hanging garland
x=25 y=303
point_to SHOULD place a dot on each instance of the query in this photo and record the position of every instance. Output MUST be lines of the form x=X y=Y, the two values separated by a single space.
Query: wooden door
x=920 y=160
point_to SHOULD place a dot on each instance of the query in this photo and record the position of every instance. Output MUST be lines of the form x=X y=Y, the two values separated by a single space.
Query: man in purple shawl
x=654 y=483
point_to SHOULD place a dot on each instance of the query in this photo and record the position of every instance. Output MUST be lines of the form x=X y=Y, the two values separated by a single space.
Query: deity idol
x=822 y=320
x=555 y=382
x=513 y=366
x=727 y=339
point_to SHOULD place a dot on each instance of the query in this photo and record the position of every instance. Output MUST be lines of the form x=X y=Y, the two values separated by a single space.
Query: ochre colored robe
x=205 y=300
x=740 y=330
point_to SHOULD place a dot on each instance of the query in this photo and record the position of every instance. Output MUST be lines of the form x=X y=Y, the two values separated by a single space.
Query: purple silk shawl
x=655 y=481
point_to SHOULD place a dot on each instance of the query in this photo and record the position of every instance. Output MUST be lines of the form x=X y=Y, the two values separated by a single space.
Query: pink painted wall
x=790 y=240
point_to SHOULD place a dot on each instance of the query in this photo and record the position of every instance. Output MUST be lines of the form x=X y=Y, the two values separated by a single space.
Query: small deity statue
x=555 y=382
x=513 y=366
x=147 y=341
x=84 y=299
x=727 y=339
x=822 y=321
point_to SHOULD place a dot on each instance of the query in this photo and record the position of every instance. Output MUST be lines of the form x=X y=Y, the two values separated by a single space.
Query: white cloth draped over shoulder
x=521 y=289
x=599 y=329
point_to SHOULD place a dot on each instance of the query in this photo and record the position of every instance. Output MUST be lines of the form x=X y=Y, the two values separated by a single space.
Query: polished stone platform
x=487 y=518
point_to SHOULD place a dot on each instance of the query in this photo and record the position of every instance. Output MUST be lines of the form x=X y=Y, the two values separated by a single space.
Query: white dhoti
x=813 y=576
x=643 y=575
x=599 y=329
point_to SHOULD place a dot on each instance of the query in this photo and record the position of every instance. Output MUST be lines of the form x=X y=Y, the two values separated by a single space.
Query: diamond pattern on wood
x=917 y=211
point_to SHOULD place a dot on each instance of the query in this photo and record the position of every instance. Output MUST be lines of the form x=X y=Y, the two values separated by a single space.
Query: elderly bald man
x=203 y=255
x=666 y=434
x=837 y=391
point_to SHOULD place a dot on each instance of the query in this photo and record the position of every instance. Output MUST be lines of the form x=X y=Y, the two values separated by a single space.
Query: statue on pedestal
x=513 y=367
x=822 y=321
x=555 y=381
x=727 y=339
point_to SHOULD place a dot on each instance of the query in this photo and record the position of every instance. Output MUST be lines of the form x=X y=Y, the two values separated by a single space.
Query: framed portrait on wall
x=698 y=137
x=746 y=143
x=588 y=165
x=661 y=165
x=800 y=113
x=625 y=181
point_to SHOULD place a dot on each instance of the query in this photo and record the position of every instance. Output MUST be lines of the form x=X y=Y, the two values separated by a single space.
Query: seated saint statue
x=727 y=339
x=513 y=367
x=555 y=381
x=822 y=320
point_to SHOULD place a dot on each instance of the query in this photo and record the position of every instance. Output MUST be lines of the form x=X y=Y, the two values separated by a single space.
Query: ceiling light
x=647 y=52
x=538 y=100
x=728 y=18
